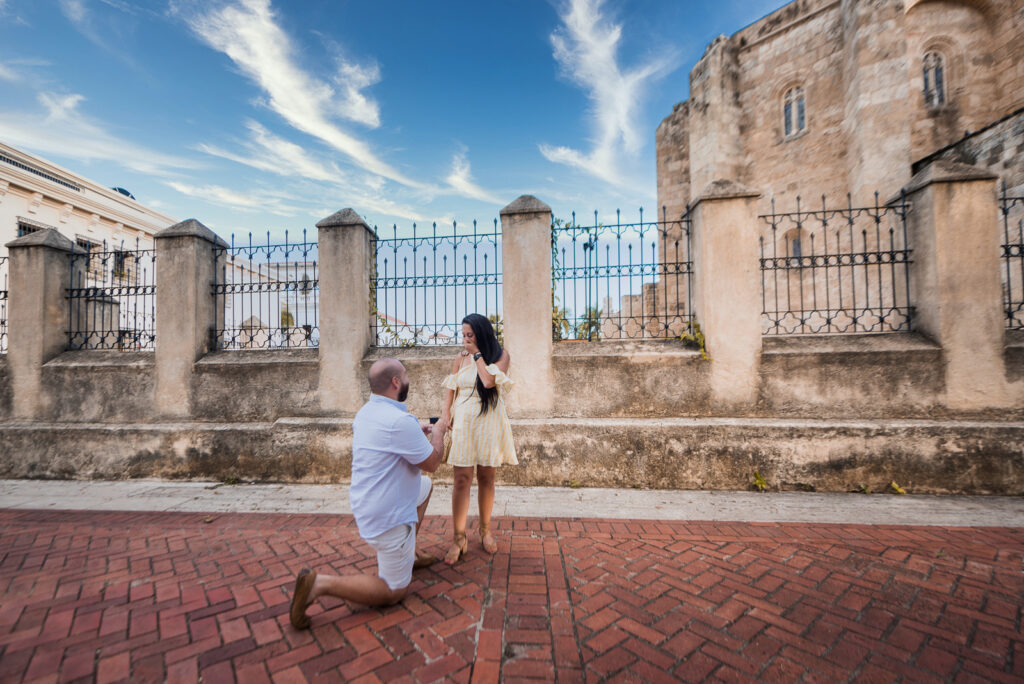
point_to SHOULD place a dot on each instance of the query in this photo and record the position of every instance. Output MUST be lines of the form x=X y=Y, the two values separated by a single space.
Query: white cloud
x=273 y=154
x=268 y=152
x=65 y=131
x=82 y=19
x=461 y=181
x=246 y=31
x=8 y=74
x=586 y=47
x=355 y=106
x=252 y=202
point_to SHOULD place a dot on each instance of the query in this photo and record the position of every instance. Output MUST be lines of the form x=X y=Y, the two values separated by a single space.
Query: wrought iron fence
x=3 y=305
x=267 y=295
x=112 y=298
x=836 y=270
x=1012 y=209
x=621 y=280
x=426 y=282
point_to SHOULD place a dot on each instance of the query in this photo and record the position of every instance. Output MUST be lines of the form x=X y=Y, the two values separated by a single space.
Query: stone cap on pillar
x=945 y=171
x=525 y=204
x=191 y=228
x=723 y=189
x=346 y=218
x=48 y=237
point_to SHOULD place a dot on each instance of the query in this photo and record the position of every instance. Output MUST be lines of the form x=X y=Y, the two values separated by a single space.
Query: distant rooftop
x=42 y=174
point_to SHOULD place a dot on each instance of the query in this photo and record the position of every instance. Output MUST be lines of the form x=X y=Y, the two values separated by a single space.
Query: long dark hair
x=489 y=348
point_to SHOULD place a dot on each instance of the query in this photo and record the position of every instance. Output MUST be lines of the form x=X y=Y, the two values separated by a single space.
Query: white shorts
x=396 y=548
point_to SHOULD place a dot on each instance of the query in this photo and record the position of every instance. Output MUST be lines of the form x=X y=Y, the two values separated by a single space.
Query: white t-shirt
x=387 y=445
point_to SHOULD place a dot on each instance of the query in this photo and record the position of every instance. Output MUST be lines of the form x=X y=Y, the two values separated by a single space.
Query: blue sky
x=268 y=115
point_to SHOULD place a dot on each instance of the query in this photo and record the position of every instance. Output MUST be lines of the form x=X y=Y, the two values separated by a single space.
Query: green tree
x=499 y=332
x=560 y=327
x=590 y=327
x=287 y=319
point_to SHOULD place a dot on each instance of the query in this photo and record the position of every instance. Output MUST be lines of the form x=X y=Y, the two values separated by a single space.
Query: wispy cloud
x=271 y=153
x=84 y=22
x=310 y=176
x=66 y=131
x=8 y=74
x=460 y=179
x=249 y=202
x=586 y=48
x=247 y=32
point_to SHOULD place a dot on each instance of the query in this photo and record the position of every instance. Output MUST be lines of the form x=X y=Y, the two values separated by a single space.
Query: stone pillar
x=526 y=303
x=186 y=312
x=37 y=314
x=727 y=289
x=346 y=268
x=955 y=285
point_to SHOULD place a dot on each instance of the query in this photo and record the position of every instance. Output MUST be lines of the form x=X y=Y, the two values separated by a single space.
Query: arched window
x=794 y=113
x=934 y=71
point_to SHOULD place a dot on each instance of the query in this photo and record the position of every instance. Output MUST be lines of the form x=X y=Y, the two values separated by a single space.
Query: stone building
x=829 y=97
x=37 y=194
x=825 y=99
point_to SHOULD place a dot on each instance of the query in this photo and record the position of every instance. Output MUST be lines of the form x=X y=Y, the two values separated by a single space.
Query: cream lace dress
x=479 y=439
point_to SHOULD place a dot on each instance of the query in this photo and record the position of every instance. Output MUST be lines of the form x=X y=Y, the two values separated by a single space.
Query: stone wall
x=940 y=410
x=5 y=389
x=923 y=456
x=998 y=148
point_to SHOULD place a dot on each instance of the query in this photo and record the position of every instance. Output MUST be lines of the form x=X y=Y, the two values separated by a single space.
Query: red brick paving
x=108 y=597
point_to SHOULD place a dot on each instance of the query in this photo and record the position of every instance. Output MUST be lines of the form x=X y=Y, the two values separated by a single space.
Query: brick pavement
x=95 y=596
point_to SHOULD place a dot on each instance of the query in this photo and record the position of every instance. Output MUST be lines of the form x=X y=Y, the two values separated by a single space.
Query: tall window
x=934 y=68
x=794 y=111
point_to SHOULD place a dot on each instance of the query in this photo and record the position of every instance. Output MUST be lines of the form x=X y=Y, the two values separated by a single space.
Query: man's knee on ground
x=397 y=595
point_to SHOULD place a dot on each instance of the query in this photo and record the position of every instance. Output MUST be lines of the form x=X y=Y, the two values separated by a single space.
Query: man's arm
x=431 y=463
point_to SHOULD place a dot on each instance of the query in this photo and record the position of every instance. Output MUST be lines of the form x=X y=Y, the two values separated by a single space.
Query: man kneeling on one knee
x=389 y=496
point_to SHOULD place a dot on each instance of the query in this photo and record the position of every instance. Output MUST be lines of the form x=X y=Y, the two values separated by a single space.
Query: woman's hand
x=445 y=421
x=470 y=347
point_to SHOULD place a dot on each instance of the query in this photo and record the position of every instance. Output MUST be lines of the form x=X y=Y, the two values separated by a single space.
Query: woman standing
x=480 y=431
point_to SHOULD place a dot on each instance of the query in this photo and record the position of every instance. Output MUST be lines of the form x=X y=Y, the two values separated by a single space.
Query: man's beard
x=404 y=392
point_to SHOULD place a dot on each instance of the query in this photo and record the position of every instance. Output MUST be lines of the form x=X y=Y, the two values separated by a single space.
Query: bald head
x=382 y=372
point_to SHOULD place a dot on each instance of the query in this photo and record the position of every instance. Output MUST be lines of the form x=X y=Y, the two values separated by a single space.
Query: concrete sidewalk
x=527 y=502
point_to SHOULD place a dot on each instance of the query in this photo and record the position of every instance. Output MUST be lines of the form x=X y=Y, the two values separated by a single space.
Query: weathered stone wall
x=5 y=389
x=844 y=376
x=672 y=141
x=998 y=148
x=675 y=453
x=99 y=386
x=840 y=376
x=256 y=385
x=795 y=46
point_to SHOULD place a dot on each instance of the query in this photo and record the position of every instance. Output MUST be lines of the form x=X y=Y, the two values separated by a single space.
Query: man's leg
x=396 y=552
x=426 y=489
x=368 y=590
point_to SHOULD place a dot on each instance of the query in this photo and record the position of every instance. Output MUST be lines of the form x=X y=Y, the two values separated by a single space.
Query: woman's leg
x=485 y=495
x=460 y=509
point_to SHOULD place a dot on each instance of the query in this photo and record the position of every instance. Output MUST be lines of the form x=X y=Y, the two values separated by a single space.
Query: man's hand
x=427 y=429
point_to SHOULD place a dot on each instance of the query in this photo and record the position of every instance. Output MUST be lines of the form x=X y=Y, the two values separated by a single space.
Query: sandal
x=485 y=534
x=458 y=548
